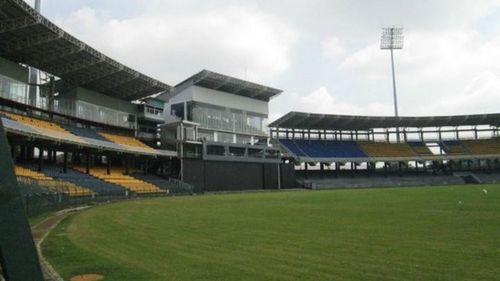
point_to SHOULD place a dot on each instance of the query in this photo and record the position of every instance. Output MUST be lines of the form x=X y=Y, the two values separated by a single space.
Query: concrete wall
x=225 y=175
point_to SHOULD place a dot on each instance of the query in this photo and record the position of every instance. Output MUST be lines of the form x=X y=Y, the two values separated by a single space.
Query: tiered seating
x=85 y=132
x=482 y=147
x=43 y=127
x=290 y=144
x=453 y=147
x=117 y=177
x=38 y=123
x=82 y=179
x=375 y=149
x=420 y=148
x=125 y=140
x=324 y=148
x=53 y=184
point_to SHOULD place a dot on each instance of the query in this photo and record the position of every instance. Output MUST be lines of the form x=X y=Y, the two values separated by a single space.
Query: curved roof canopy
x=28 y=37
x=228 y=84
x=301 y=120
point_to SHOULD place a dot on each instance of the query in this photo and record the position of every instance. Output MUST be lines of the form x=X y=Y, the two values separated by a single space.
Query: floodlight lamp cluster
x=392 y=38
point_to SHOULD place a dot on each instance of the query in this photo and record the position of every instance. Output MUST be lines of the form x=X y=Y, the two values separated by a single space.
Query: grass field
x=376 y=234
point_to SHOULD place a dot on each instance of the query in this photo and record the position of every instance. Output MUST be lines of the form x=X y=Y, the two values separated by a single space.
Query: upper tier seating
x=375 y=149
x=43 y=127
x=482 y=147
x=453 y=147
x=292 y=146
x=125 y=140
x=420 y=148
x=117 y=177
x=85 y=132
x=38 y=123
x=324 y=148
x=53 y=184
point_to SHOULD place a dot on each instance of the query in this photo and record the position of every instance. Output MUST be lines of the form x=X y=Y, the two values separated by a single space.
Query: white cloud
x=332 y=48
x=449 y=72
x=322 y=101
x=172 y=46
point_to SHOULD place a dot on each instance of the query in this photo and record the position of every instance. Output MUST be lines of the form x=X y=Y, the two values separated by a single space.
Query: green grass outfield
x=366 y=234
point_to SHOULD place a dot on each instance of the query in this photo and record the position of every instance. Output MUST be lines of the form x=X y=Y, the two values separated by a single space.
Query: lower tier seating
x=117 y=177
x=375 y=149
x=98 y=186
x=51 y=183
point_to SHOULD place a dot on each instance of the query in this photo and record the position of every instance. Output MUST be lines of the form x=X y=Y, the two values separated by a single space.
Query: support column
x=65 y=162
x=108 y=164
x=40 y=159
x=127 y=165
x=87 y=163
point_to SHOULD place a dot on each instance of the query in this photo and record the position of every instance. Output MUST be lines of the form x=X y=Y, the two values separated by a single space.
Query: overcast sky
x=324 y=54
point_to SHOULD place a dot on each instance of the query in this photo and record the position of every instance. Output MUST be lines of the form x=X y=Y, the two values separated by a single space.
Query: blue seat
x=85 y=132
x=324 y=148
x=81 y=179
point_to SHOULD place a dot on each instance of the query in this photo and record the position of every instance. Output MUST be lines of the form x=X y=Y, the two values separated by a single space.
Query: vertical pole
x=40 y=159
x=127 y=165
x=108 y=166
x=394 y=85
x=87 y=164
x=65 y=162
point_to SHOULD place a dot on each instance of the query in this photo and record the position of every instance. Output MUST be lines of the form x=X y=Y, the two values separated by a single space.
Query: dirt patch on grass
x=87 y=277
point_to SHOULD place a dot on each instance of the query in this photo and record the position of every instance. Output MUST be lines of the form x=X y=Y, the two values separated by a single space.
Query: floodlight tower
x=392 y=39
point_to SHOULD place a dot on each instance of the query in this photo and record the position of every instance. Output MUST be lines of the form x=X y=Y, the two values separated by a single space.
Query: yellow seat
x=482 y=147
x=379 y=149
x=126 y=140
x=52 y=184
x=118 y=177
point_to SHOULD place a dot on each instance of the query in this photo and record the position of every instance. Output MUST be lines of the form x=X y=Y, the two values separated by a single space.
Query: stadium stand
x=324 y=148
x=85 y=132
x=38 y=126
x=483 y=146
x=453 y=147
x=292 y=146
x=53 y=184
x=100 y=187
x=420 y=148
x=379 y=149
x=125 y=140
x=170 y=185
x=368 y=182
x=118 y=177
x=38 y=123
